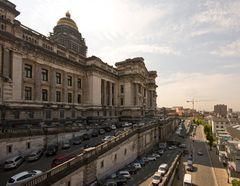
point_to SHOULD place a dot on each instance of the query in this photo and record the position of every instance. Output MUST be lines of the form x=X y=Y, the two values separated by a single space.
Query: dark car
x=76 y=141
x=131 y=169
x=141 y=161
x=107 y=129
x=101 y=131
x=86 y=137
x=95 y=133
x=120 y=180
x=51 y=150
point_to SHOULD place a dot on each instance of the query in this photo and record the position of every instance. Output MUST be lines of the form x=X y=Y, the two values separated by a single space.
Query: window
x=44 y=95
x=115 y=157
x=73 y=114
x=16 y=114
x=9 y=149
x=79 y=99
x=58 y=78
x=28 y=93
x=139 y=88
x=28 y=145
x=58 y=96
x=31 y=114
x=69 y=97
x=48 y=114
x=122 y=89
x=61 y=113
x=122 y=101
x=125 y=151
x=102 y=163
x=28 y=71
x=44 y=74
x=79 y=83
x=69 y=81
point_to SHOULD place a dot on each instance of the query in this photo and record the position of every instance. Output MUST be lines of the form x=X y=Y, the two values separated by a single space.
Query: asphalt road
x=44 y=163
x=203 y=174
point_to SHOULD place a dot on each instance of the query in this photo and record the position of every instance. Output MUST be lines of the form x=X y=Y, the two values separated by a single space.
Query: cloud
x=229 y=50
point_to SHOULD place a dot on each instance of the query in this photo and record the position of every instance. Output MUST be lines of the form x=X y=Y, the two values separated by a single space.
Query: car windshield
x=8 y=162
x=156 y=177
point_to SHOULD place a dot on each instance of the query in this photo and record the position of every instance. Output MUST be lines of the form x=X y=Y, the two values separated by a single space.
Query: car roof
x=163 y=165
x=16 y=176
x=12 y=158
x=157 y=174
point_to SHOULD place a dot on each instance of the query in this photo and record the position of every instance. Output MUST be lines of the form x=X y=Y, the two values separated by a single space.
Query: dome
x=67 y=21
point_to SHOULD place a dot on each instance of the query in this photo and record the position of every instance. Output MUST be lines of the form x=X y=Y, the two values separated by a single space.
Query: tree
x=210 y=140
x=236 y=182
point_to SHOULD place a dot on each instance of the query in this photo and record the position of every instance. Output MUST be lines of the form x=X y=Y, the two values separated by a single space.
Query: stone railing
x=55 y=174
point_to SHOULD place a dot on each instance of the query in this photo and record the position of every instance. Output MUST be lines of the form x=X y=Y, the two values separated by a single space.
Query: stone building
x=51 y=80
x=220 y=110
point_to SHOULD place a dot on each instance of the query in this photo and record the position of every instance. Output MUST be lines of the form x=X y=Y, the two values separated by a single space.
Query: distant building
x=220 y=110
x=50 y=80
x=179 y=110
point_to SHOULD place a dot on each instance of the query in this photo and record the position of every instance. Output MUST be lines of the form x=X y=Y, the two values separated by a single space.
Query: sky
x=193 y=45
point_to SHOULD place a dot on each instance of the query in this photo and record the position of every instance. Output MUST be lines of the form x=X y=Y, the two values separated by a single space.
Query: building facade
x=50 y=80
x=220 y=110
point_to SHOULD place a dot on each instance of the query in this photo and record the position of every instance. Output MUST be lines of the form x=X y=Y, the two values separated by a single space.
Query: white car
x=13 y=162
x=113 y=127
x=22 y=177
x=157 y=178
x=151 y=158
x=125 y=174
x=107 y=138
x=156 y=155
x=163 y=168
x=172 y=147
x=183 y=145
x=137 y=165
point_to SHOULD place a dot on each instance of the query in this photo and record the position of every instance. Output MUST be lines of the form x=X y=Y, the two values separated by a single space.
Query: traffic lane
x=44 y=163
x=146 y=172
x=202 y=164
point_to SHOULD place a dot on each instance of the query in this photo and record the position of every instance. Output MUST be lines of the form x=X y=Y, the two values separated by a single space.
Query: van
x=187 y=180
x=13 y=162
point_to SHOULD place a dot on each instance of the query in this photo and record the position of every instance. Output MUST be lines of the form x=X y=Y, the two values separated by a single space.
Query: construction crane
x=193 y=101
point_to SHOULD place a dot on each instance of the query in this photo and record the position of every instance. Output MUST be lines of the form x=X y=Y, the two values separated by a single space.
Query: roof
x=233 y=132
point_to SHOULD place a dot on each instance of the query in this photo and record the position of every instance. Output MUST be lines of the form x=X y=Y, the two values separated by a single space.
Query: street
x=44 y=163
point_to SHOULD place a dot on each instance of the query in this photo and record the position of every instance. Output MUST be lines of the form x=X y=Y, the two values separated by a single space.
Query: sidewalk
x=219 y=170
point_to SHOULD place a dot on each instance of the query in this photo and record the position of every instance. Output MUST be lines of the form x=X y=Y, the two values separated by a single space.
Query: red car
x=61 y=159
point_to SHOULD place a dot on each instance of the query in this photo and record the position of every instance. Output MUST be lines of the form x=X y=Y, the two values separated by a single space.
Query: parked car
x=61 y=159
x=126 y=174
x=22 y=177
x=183 y=145
x=151 y=158
x=113 y=127
x=35 y=155
x=13 y=162
x=189 y=167
x=86 y=136
x=95 y=133
x=121 y=180
x=200 y=153
x=146 y=160
x=101 y=131
x=137 y=165
x=132 y=169
x=107 y=129
x=107 y=138
x=110 y=182
x=66 y=144
x=163 y=168
x=141 y=161
x=172 y=147
x=157 y=178
x=51 y=150
x=76 y=141
x=161 y=151
x=156 y=155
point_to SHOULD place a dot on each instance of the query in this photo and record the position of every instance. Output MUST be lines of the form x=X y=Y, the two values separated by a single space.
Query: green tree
x=236 y=182
x=210 y=141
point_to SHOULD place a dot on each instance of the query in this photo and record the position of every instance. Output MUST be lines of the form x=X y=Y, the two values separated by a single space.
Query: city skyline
x=202 y=36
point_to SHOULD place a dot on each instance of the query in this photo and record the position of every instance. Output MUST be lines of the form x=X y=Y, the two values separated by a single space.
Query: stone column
x=65 y=89
x=110 y=93
x=105 y=92
x=52 y=89
x=37 y=90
